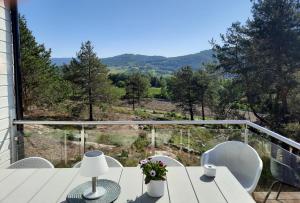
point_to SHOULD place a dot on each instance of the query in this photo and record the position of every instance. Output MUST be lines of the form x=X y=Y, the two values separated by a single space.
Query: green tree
x=224 y=95
x=136 y=87
x=263 y=57
x=201 y=83
x=163 y=88
x=118 y=79
x=181 y=89
x=42 y=83
x=90 y=81
x=225 y=98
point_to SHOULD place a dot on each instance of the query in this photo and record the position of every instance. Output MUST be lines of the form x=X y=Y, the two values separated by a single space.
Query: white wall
x=6 y=85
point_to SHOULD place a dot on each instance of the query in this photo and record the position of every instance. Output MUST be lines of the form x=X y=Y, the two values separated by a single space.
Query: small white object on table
x=184 y=184
x=210 y=170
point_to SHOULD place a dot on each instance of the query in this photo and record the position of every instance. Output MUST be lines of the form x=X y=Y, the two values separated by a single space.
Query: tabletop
x=184 y=184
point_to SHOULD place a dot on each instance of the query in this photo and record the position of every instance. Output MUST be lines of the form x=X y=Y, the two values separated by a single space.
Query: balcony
x=64 y=142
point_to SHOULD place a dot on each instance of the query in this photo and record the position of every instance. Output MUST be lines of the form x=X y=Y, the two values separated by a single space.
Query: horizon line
x=139 y=54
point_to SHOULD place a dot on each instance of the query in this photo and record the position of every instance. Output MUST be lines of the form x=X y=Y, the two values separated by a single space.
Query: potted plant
x=155 y=176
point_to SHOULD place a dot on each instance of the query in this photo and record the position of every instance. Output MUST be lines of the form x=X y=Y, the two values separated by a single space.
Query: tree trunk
x=191 y=112
x=90 y=105
x=284 y=102
x=133 y=99
x=25 y=102
x=90 y=97
x=260 y=117
x=138 y=96
x=133 y=102
x=202 y=106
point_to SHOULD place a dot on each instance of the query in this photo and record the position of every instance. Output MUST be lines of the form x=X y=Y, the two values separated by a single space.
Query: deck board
x=284 y=197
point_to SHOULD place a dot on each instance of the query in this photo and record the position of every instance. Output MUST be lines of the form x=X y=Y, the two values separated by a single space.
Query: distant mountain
x=132 y=60
x=159 y=63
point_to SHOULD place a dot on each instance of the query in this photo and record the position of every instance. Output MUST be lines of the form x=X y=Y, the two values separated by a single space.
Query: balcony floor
x=284 y=197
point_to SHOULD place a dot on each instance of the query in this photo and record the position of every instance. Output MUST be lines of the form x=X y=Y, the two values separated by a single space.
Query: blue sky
x=151 y=27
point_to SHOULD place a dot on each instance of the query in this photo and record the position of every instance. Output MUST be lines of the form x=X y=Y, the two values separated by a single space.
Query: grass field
x=152 y=91
x=120 y=91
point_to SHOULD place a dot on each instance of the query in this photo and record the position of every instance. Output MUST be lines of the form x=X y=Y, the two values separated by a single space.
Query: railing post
x=82 y=140
x=246 y=134
x=153 y=139
x=181 y=140
x=65 y=149
x=13 y=137
x=189 y=134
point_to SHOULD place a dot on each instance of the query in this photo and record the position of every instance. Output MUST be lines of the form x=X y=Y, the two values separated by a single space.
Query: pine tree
x=201 y=83
x=136 y=88
x=42 y=84
x=276 y=40
x=181 y=89
x=90 y=81
x=263 y=57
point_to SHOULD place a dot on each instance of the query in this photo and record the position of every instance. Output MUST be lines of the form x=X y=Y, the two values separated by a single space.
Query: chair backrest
x=240 y=158
x=285 y=166
x=31 y=162
x=77 y=165
x=169 y=161
x=111 y=162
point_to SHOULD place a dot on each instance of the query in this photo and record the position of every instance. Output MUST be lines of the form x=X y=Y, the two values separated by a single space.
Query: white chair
x=111 y=162
x=240 y=158
x=31 y=162
x=169 y=161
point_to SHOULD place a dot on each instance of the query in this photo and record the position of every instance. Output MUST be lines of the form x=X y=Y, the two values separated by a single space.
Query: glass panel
x=126 y=143
x=186 y=143
x=58 y=144
x=131 y=143
x=260 y=142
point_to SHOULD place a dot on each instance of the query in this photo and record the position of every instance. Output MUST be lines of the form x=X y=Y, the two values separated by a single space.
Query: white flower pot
x=156 y=188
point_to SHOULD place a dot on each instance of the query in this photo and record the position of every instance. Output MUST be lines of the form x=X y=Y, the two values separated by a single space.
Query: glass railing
x=129 y=142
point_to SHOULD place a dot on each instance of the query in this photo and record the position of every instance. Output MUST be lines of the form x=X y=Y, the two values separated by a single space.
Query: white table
x=184 y=185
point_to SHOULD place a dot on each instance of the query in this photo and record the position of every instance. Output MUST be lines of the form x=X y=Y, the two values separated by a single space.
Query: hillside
x=158 y=63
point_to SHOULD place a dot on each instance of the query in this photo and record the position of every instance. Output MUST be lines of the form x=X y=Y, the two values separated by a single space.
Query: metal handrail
x=177 y=122
x=275 y=135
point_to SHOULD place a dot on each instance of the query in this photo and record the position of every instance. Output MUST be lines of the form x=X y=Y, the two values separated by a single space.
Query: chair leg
x=270 y=190
x=279 y=190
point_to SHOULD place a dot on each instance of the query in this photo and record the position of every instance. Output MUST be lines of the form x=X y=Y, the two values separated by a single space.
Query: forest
x=255 y=72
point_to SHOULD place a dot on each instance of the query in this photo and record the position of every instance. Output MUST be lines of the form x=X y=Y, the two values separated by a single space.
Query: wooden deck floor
x=284 y=197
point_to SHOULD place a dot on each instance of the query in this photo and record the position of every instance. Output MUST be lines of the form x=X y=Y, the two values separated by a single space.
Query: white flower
x=142 y=162
x=152 y=173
